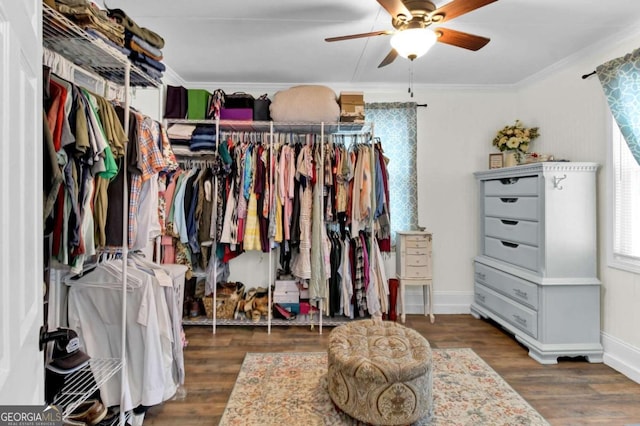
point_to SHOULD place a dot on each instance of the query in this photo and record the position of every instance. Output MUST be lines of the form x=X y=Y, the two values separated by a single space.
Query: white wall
x=573 y=117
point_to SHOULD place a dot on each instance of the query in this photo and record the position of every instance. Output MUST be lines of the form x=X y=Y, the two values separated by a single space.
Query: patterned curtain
x=620 y=79
x=396 y=126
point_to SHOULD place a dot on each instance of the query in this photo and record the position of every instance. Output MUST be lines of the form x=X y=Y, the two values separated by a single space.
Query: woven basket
x=208 y=305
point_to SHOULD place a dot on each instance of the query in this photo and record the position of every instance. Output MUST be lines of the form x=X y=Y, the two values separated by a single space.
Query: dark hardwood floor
x=572 y=392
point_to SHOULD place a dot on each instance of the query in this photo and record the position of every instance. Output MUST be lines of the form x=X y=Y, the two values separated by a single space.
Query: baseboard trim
x=455 y=302
x=621 y=357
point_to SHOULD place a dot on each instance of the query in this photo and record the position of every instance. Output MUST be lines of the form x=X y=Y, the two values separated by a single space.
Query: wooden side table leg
x=402 y=291
x=432 y=317
x=426 y=297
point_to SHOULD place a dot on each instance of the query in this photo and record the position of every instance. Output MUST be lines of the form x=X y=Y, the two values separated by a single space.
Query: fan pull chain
x=410 y=90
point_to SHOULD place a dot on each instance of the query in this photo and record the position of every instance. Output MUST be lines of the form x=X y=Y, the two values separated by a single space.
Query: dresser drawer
x=520 y=231
x=517 y=254
x=512 y=186
x=416 y=259
x=520 y=290
x=416 y=241
x=515 y=314
x=416 y=272
x=512 y=207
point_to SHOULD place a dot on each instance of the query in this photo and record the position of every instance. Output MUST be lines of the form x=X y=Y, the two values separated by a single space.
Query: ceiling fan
x=411 y=18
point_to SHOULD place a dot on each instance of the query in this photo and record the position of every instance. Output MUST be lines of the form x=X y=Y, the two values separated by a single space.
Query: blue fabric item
x=200 y=145
x=204 y=130
x=248 y=173
x=203 y=138
x=128 y=35
x=192 y=229
x=620 y=79
x=144 y=59
x=99 y=35
x=149 y=70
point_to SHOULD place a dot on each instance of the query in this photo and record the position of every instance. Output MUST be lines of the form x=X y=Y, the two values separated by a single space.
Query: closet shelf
x=279 y=127
x=80 y=385
x=64 y=37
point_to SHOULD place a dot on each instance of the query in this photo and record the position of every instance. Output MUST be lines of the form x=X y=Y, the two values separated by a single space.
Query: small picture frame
x=495 y=161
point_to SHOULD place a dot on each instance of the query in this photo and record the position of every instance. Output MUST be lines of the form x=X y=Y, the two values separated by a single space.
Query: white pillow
x=305 y=104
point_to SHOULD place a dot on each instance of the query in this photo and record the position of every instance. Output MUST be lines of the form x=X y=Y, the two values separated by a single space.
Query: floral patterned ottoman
x=380 y=372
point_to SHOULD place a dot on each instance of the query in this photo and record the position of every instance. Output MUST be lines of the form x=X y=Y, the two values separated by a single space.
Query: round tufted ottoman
x=380 y=372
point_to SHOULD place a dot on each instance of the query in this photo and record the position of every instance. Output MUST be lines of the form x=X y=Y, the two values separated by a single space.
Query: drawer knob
x=509 y=222
x=510 y=245
x=480 y=275
x=509 y=181
x=508 y=200
x=519 y=319
x=480 y=297
x=520 y=293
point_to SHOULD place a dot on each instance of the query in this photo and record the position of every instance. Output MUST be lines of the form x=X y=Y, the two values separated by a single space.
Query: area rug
x=288 y=389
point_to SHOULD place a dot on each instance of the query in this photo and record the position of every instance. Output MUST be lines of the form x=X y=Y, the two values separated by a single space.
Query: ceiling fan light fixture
x=414 y=42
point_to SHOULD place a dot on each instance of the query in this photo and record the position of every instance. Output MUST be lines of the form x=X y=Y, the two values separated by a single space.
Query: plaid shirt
x=150 y=162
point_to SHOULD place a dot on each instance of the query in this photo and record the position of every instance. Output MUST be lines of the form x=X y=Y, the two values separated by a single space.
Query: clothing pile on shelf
x=89 y=16
x=116 y=29
x=192 y=139
x=253 y=193
x=84 y=146
x=143 y=43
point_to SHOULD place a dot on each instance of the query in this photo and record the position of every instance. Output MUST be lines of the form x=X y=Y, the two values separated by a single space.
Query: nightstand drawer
x=512 y=186
x=420 y=251
x=519 y=316
x=416 y=260
x=514 y=253
x=417 y=241
x=520 y=231
x=520 y=290
x=416 y=272
x=512 y=207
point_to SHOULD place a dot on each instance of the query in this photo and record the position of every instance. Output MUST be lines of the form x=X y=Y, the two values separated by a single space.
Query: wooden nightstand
x=413 y=267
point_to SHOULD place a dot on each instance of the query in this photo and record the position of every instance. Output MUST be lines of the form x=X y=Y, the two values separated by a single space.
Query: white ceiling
x=282 y=42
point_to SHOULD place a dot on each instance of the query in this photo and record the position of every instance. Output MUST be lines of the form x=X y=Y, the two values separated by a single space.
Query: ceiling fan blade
x=389 y=58
x=460 y=39
x=349 y=37
x=396 y=8
x=459 y=7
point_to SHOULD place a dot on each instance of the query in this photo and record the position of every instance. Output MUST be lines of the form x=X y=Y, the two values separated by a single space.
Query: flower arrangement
x=515 y=138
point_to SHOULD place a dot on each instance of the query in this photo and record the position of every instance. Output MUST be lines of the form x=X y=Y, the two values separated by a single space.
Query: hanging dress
x=302 y=263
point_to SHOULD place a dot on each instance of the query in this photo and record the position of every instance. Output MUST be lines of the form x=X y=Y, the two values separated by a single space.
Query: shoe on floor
x=90 y=412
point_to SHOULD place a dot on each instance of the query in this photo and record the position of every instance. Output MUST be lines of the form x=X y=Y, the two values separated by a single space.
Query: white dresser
x=413 y=267
x=535 y=274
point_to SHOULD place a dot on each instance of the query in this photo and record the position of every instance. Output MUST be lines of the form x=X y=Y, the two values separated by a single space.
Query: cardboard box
x=351 y=106
x=286 y=285
x=286 y=291
x=286 y=297
x=352 y=119
x=351 y=98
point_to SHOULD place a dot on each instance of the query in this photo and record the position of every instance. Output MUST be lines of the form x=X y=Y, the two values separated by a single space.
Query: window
x=396 y=126
x=625 y=244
